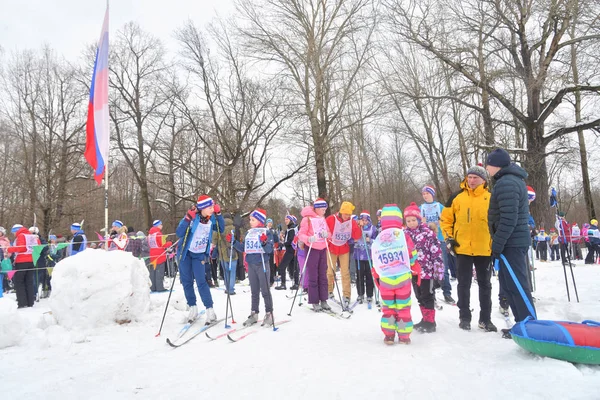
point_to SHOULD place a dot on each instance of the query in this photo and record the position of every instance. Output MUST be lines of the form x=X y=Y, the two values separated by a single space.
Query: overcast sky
x=69 y=25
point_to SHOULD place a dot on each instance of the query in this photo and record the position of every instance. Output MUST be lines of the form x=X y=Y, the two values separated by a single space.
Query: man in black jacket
x=508 y=217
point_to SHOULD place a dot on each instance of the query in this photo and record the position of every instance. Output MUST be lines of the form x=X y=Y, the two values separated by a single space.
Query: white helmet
x=35 y=230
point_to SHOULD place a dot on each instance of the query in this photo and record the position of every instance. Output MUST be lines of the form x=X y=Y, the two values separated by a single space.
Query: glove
x=191 y=214
x=263 y=239
x=217 y=209
x=312 y=239
x=228 y=238
x=450 y=245
x=323 y=234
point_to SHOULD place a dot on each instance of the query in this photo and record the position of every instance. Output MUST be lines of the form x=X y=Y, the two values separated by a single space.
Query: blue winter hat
x=269 y=220
x=117 y=223
x=157 y=222
x=76 y=226
x=498 y=158
x=16 y=228
x=51 y=237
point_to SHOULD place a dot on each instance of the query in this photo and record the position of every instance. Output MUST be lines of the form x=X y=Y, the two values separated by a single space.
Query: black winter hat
x=498 y=158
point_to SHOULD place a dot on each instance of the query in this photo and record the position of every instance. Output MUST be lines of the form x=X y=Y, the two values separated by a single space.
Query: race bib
x=152 y=241
x=390 y=253
x=121 y=241
x=431 y=212
x=200 y=239
x=252 y=242
x=319 y=225
x=342 y=232
x=30 y=241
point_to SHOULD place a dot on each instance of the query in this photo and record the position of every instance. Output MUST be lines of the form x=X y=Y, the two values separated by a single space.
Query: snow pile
x=98 y=288
x=12 y=324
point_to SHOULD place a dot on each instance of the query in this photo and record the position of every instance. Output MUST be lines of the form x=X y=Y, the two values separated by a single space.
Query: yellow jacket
x=466 y=220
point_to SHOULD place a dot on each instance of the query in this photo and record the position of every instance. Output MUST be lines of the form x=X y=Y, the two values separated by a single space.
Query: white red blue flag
x=97 y=129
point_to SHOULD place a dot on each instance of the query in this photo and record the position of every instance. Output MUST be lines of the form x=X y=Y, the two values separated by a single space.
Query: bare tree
x=318 y=47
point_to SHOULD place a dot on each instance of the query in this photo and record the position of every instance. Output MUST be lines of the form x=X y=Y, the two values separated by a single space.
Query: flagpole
x=106 y=167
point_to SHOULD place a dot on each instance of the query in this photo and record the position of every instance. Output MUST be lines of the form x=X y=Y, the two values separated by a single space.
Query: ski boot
x=448 y=299
x=211 y=317
x=317 y=307
x=404 y=340
x=346 y=303
x=389 y=340
x=252 y=319
x=325 y=306
x=360 y=299
x=193 y=314
x=503 y=311
x=268 y=320
x=506 y=334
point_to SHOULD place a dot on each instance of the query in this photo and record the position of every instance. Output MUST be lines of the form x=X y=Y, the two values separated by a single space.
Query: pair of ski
x=238 y=337
x=177 y=342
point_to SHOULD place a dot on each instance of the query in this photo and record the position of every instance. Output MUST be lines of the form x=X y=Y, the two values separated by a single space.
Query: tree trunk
x=320 y=164
x=535 y=165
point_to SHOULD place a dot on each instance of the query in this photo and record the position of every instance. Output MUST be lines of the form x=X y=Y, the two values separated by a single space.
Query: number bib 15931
x=342 y=232
x=390 y=253
x=252 y=242
x=200 y=239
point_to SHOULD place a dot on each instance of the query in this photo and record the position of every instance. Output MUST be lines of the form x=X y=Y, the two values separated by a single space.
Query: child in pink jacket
x=313 y=232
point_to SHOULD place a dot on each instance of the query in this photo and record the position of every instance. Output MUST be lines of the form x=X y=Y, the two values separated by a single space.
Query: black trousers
x=424 y=293
x=517 y=258
x=24 y=285
x=542 y=250
x=364 y=277
x=273 y=268
x=288 y=263
x=564 y=252
x=592 y=253
x=464 y=272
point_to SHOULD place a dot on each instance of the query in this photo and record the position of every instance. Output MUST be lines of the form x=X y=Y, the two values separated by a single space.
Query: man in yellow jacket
x=464 y=225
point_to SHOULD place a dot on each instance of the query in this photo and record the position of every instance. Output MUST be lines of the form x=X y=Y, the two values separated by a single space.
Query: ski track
x=312 y=357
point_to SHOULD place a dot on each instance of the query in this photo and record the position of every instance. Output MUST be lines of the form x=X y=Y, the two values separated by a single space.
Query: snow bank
x=13 y=326
x=98 y=288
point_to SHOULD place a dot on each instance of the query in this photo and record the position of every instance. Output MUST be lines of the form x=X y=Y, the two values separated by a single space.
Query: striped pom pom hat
x=292 y=218
x=391 y=217
x=320 y=203
x=157 y=222
x=204 y=201
x=117 y=223
x=428 y=189
x=260 y=215
x=76 y=226
x=530 y=193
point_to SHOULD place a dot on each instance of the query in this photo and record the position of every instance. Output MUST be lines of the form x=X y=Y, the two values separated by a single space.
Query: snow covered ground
x=313 y=357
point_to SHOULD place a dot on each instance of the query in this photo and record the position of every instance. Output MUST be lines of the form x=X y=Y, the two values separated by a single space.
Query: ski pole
x=337 y=288
x=303 y=271
x=227 y=281
x=174 y=279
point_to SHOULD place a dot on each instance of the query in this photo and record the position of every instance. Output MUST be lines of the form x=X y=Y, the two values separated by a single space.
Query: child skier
x=314 y=232
x=431 y=262
x=195 y=230
x=257 y=244
x=158 y=256
x=362 y=250
x=394 y=263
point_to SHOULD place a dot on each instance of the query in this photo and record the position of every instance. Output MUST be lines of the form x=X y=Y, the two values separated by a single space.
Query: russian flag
x=97 y=129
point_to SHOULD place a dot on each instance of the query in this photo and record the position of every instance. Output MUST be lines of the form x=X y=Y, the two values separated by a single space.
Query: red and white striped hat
x=530 y=193
x=320 y=203
x=260 y=215
x=364 y=214
x=204 y=201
